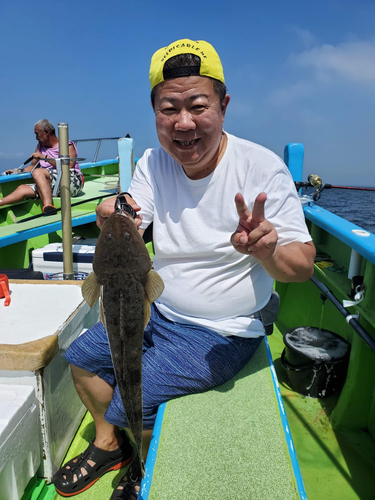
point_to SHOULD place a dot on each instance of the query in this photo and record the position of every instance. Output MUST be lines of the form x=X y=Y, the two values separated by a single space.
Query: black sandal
x=126 y=488
x=104 y=461
x=49 y=210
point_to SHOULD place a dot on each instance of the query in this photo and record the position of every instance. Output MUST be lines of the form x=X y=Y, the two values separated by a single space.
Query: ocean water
x=357 y=207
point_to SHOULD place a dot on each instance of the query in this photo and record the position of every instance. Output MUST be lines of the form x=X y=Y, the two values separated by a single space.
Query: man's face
x=41 y=136
x=189 y=120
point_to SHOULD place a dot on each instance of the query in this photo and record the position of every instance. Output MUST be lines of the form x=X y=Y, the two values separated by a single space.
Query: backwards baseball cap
x=210 y=61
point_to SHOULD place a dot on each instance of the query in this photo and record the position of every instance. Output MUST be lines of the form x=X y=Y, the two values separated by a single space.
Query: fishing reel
x=316 y=182
x=121 y=205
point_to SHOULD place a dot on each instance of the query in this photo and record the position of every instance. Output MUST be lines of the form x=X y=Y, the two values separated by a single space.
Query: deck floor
x=93 y=189
x=227 y=443
x=335 y=465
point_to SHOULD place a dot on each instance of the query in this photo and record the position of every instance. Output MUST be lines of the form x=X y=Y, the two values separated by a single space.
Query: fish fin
x=91 y=289
x=147 y=311
x=102 y=316
x=154 y=286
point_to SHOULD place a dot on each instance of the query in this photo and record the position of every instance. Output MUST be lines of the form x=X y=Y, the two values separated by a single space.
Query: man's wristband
x=45 y=158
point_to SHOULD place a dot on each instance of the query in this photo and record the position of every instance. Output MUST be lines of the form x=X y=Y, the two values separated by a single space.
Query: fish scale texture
x=226 y=444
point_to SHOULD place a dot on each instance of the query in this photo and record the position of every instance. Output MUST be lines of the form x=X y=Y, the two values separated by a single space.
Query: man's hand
x=258 y=237
x=38 y=156
x=254 y=235
x=107 y=207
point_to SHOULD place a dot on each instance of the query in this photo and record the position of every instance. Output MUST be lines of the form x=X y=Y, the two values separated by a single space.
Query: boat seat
x=33 y=346
x=29 y=356
x=231 y=442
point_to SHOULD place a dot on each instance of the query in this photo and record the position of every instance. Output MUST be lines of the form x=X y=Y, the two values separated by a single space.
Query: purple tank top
x=54 y=153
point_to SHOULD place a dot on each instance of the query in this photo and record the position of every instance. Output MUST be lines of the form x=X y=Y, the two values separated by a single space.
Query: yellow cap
x=210 y=61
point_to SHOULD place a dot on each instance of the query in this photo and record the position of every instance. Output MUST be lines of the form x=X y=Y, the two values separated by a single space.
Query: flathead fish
x=123 y=277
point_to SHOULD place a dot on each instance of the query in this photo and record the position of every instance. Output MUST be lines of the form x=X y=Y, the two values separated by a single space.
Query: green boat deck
x=227 y=443
x=213 y=445
x=334 y=464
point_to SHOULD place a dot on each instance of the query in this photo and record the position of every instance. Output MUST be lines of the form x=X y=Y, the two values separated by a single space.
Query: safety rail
x=99 y=142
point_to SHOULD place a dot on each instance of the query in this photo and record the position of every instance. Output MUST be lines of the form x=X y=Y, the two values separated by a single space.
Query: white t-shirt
x=207 y=282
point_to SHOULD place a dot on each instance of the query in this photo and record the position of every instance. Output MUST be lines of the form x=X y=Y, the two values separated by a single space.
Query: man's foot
x=83 y=471
x=49 y=210
x=128 y=487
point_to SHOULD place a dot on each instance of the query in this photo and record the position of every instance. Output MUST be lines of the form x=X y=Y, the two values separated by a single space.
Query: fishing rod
x=315 y=181
x=21 y=168
x=73 y=205
x=352 y=321
x=329 y=186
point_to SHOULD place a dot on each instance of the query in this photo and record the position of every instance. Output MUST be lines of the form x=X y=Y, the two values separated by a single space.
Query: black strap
x=121 y=205
x=184 y=71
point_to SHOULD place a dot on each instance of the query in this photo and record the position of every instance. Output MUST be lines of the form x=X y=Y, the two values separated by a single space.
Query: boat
x=23 y=227
x=265 y=434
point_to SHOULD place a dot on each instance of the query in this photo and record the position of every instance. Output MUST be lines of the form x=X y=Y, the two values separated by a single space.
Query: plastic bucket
x=315 y=361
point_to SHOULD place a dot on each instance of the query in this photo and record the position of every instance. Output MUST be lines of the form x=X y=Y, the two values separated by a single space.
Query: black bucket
x=316 y=361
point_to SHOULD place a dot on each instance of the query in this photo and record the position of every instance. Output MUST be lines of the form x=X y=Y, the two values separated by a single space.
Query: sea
x=355 y=206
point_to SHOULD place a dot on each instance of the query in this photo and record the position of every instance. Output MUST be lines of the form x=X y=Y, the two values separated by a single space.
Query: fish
x=127 y=284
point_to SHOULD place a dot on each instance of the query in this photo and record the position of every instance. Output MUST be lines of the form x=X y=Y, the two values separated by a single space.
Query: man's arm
x=72 y=154
x=107 y=207
x=256 y=236
x=33 y=162
x=52 y=161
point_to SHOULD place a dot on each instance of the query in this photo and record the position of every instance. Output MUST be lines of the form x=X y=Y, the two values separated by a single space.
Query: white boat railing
x=99 y=143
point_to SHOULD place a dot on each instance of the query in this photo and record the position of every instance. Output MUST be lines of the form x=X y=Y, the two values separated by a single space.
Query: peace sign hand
x=254 y=235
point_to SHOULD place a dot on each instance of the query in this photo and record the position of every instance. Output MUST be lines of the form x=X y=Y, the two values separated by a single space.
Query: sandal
x=49 y=210
x=126 y=488
x=83 y=471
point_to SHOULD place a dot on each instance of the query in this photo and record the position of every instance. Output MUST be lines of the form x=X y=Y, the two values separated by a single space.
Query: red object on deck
x=4 y=289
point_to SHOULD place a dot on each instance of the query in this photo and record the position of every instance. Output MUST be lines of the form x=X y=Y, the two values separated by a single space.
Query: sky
x=296 y=72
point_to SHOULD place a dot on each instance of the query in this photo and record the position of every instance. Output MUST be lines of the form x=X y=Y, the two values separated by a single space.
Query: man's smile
x=186 y=143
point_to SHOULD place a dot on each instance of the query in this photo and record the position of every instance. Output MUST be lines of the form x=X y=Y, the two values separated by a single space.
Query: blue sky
x=296 y=72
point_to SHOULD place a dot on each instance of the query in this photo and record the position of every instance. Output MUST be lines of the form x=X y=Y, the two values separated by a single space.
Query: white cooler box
x=49 y=260
x=20 y=454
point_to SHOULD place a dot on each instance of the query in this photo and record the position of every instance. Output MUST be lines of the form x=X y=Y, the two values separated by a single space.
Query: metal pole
x=66 y=214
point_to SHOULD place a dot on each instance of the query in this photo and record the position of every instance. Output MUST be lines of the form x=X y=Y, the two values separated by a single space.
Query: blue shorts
x=178 y=359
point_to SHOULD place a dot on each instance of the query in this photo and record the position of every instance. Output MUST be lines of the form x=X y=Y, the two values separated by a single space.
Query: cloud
x=307 y=38
x=282 y=96
x=353 y=61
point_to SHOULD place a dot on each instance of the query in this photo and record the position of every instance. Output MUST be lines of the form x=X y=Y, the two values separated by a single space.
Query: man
x=217 y=257
x=45 y=177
